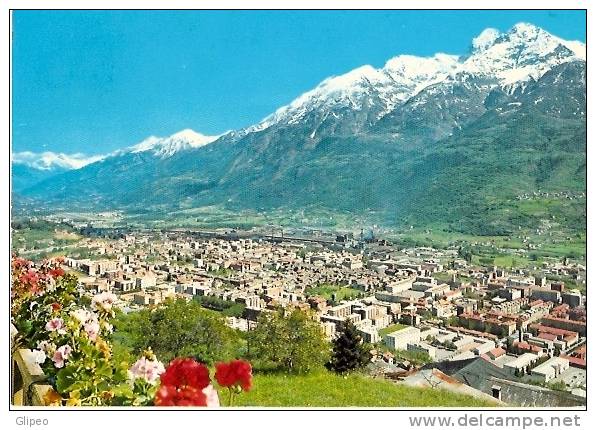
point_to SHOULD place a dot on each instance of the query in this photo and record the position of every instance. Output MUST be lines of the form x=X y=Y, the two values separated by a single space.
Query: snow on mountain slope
x=363 y=96
x=162 y=147
x=525 y=52
x=53 y=161
x=398 y=80
x=513 y=58
x=168 y=146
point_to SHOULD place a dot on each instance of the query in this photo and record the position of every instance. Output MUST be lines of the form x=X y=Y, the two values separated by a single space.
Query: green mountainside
x=466 y=155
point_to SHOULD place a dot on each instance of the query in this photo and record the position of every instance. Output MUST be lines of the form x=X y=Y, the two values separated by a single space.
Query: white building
x=520 y=365
x=369 y=335
x=399 y=339
x=550 y=369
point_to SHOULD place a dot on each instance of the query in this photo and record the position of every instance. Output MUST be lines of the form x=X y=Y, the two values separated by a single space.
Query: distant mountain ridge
x=376 y=142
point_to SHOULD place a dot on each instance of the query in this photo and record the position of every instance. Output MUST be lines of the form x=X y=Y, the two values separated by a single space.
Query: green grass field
x=326 y=389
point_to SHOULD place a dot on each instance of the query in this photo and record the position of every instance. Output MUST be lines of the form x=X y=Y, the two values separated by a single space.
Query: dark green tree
x=349 y=351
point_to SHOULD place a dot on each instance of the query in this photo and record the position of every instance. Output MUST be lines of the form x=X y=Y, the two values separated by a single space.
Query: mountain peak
x=399 y=79
x=485 y=39
x=50 y=161
x=167 y=146
x=524 y=52
x=192 y=137
x=526 y=30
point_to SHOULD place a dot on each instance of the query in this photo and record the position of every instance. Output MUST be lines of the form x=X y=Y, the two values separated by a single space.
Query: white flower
x=148 y=370
x=50 y=284
x=46 y=346
x=39 y=356
x=103 y=301
x=81 y=315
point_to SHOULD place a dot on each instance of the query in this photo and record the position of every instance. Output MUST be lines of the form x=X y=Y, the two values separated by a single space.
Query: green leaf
x=122 y=390
x=65 y=378
x=103 y=368
x=25 y=327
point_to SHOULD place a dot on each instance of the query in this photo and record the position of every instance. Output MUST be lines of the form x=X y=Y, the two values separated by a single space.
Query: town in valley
x=433 y=316
x=380 y=209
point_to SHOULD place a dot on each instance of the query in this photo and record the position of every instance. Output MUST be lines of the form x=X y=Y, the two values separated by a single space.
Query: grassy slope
x=329 y=390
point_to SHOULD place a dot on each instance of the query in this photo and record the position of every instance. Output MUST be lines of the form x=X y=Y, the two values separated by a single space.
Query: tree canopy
x=288 y=339
x=177 y=329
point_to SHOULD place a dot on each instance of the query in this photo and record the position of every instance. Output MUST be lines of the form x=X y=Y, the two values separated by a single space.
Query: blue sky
x=95 y=81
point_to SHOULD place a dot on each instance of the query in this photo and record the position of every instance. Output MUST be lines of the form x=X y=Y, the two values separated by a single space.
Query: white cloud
x=51 y=160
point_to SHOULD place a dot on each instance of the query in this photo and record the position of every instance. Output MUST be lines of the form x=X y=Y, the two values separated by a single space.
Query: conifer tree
x=349 y=351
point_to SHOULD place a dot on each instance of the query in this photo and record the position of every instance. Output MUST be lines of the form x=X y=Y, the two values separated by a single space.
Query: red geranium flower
x=186 y=372
x=235 y=373
x=18 y=262
x=169 y=395
x=31 y=279
x=58 y=271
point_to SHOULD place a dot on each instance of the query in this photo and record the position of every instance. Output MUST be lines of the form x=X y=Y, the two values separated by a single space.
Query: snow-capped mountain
x=162 y=147
x=419 y=138
x=524 y=52
x=53 y=161
x=167 y=146
x=369 y=97
x=29 y=168
x=366 y=87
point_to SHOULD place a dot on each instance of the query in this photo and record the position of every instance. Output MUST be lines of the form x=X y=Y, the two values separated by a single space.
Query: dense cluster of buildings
x=421 y=300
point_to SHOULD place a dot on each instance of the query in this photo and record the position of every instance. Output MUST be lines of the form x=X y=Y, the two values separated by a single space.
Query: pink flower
x=92 y=329
x=31 y=280
x=56 y=324
x=61 y=355
x=146 y=369
x=18 y=262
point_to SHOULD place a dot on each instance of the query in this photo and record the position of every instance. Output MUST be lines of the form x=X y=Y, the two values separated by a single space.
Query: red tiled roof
x=572 y=322
x=496 y=352
x=575 y=361
x=526 y=346
x=552 y=330
x=547 y=336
